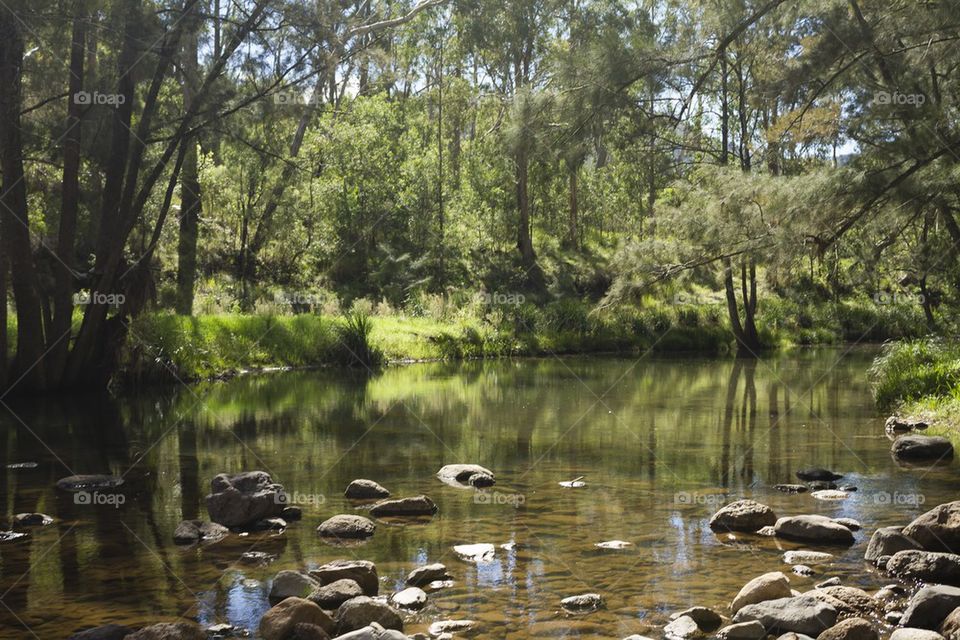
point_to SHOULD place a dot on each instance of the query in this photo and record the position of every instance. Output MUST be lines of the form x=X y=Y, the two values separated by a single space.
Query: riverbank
x=163 y=347
x=920 y=380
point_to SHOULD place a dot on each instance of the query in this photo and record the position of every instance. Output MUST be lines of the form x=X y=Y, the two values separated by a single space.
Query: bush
x=909 y=370
x=355 y=347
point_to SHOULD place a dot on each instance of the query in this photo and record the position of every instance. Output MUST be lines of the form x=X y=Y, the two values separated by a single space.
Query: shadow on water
x=661 y=441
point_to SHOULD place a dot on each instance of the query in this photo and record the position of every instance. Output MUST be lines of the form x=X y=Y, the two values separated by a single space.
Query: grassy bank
x=921 y=378
x=163 y=346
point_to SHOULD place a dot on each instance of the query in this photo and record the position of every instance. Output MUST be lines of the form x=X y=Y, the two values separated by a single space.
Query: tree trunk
x=573 y=231
x=69 y=203
x=524 y=240
x=14 y=222
x=724 y=111
x=190 y=195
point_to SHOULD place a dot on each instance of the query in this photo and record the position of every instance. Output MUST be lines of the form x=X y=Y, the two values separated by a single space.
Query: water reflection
x=661 y=442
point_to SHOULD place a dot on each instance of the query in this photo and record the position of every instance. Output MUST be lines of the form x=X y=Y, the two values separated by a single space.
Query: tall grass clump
x=355 y=346
x=912 y=369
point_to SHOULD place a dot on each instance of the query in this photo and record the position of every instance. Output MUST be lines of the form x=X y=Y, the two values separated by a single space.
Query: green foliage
x=354 y=347
x=912 y=369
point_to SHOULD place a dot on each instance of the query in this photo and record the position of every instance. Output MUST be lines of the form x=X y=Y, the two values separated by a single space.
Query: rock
x=291 y=583
x=415 y=506
x=802 y=556
x=244 y=498
x=821 y=485
x=307 y=631
x=926 y=566
x=426 y=574
x=768 y=532
x=190 y=531
x=291 y=513
x=31 y=520
x=850 y=629
x=794 y=636
x=800 y=614
x=707 y=619
x=887 y=541
x=440 y=627
x=613 y=544
x=751 y=630
x=769 y=586
x=23 y=465
x=903 y=424
x=223 y=630
x=813 y=528
x=848 y=600
x=347 y=527
x=791 y=488
x=169 y=631
x=89 y=482
x=257 y=557
x=576 y=483
x=930 y=606
x=413 y=598
x=893 y=617
x=914 y=634
x=829 y=582
x=359 y=612
x=950 y=627
x=105 y=632
x=830 y=494
x=914 y=447
x=10 y=536
x=330 y=596
x=373 y=631
x=481 y=552
x=802 y=570
x=363 y=572
x=365 y=490
x=849 y=523
x=808 y=475
x=682 y=628
x=938 y=529
x=269 y=524
x=279 y=621
x=742 y=515
x=582 y=603
x=466 y=475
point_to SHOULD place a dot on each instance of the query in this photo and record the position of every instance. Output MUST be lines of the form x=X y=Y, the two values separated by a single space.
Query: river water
x=662 y=444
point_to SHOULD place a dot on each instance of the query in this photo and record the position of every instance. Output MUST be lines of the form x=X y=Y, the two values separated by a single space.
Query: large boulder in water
x=466 y=475
x=358 y=613
x=278 y=623
x=743 y=515
x=813 y=529
x=930 y=606
x=242 y=499
x=937 y=529
x=363 y=489
x=800 y=614
x=926 y=566
x=363 y=572
x=914 y=447
x=769 y=586
x=347 y=527
x=404 y=507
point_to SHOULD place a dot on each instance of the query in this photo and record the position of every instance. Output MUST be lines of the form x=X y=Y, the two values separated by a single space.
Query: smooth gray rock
x=289 y=583
x=466 y=475
x=363 y=572
x=347 y=526
x=373 y=632
x=413 y=598
x=930 y=606
x=769 y=586
x=909 y=633
x=363 y=489
x=706 y=619
x=926 y=566
x=916 y=447
x=800 y=614
x=850 y=629
x=404 y=507
x=190 y=531
x=743 y=515
x=813 y=529
x=422 y=576
x=330 y=596
x=938 y=529
x=582 y=603
x=683 y=628
x=752 y=630
x=360 y=612
x=887 y=541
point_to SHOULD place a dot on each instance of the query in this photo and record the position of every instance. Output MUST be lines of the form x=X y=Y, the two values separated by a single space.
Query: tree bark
x=190 y=194
x=573 y=231
x=14 y=221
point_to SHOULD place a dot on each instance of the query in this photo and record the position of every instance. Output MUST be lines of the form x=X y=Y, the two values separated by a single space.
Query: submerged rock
x=242 y=499
x=190 y=531
x=413 y=598
x=363 y=489
x=347 y=526
x=802 y=556
x=904 y=424
x=830 y=495
x=914 y=447
x=481 y=552
x=743 y=515
x=613 y=544
x=809 y=475
x=791 y=488
x=441 y=627
x=89 y=482
x=426 y=574
x=582 y=603
x=415 y=506
x=31 y=520
x=813 y=528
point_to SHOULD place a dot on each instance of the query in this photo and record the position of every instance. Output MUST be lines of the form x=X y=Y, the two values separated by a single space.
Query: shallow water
x=662 y=442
